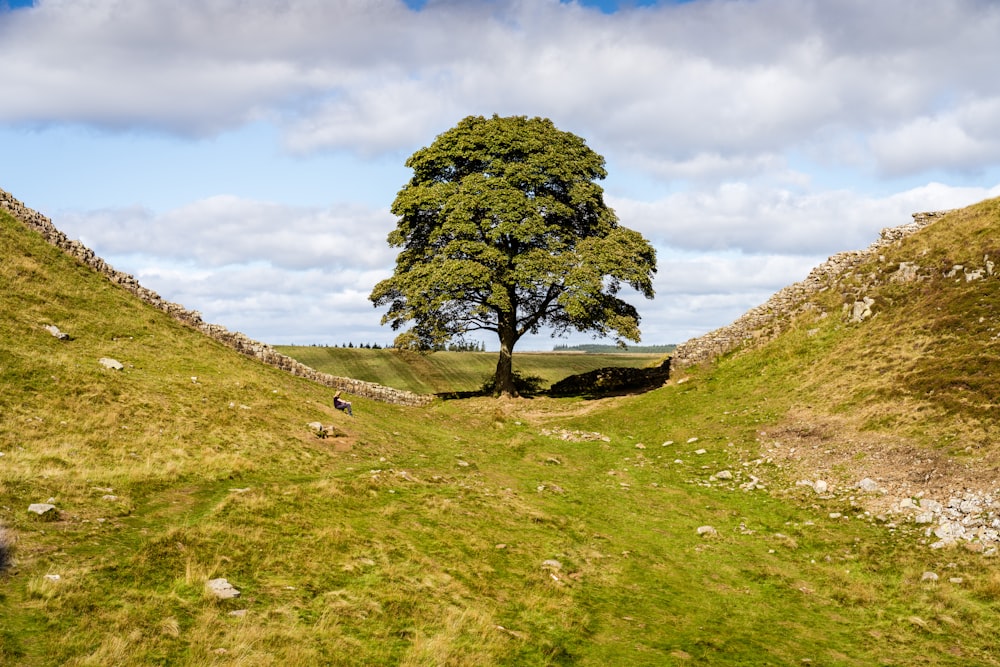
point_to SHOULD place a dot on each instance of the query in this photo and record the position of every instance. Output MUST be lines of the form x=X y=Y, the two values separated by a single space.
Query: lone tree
x=503 y=229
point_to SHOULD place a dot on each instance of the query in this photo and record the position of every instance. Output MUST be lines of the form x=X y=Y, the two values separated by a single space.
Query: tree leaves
x=502 y=228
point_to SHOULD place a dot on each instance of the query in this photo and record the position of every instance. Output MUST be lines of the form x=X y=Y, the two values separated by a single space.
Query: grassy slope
x=453 y=371
x=419 y=536
x=925 y=364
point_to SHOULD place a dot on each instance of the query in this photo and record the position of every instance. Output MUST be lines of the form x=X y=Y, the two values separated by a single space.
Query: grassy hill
x=443 y=372
x=661 y=529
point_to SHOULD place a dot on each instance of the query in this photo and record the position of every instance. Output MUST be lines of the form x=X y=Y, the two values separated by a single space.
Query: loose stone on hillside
x=44 y=510
x=869 y=485
x=707 y=531
x=221 y=589
x=110 y=363
x=54 y=330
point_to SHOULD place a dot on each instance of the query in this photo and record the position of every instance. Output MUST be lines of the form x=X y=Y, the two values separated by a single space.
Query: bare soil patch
x=813 y=446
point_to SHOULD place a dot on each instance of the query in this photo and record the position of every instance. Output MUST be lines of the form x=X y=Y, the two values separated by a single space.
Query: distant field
x=453 y=371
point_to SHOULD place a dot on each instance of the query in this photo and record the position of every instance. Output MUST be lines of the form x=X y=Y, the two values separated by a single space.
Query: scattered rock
x=52 y=577
x=928 y=576
x=46 y=511
x=820 y=486
x=575 y=436
x=551 y=564
x=724 y=474
x=54 y=330
x=238 y=613
x=110 y=363
x=221 y=589
x=868 y=485
x=862 y=310
x=707 y=531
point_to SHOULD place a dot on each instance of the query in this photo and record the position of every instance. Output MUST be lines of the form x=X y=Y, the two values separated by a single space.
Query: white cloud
x=699 y=85
x=735 y=216
x=225 y=230
x=963 y=138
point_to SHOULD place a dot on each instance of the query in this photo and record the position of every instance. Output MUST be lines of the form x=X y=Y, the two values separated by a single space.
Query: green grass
x=419 y=536
x=447 y=372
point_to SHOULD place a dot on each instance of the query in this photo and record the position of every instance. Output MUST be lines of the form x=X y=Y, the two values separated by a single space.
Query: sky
x=241 y=158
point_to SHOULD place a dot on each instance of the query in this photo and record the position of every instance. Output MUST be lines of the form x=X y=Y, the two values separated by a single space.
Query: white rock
x=221 y=589
x=928 y=576
x=820 y=486
x=551 y=564
x=54 y=330
x=52 y=577
x=724 y=474
x=931 y=505
x=42 y=509
x=113 y=364
x=869 y=485
x=707 y=531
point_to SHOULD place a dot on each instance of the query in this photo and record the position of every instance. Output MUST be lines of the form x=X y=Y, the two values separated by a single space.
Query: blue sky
x=242 y=162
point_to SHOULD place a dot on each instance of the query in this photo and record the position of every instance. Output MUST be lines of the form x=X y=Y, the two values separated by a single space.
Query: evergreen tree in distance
x=502 y=228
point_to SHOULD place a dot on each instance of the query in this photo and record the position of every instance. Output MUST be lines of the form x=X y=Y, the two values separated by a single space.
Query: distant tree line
x=600 y=349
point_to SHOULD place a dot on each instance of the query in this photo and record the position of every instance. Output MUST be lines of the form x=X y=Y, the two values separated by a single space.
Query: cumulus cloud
x=692 y=87
x=225 y=230
x=736 y=216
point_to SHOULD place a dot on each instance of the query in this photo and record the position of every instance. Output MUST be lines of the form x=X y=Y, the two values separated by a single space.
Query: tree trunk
x=503 y=381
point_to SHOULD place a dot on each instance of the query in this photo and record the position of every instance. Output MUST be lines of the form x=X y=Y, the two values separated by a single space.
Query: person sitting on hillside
x=341 y=404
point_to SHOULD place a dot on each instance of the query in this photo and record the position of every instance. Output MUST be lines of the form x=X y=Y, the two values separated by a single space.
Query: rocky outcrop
x=233 y=339
x=769 y=319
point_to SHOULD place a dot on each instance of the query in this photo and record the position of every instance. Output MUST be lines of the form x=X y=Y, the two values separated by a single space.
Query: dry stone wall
x=767 y=320
x=233 y=339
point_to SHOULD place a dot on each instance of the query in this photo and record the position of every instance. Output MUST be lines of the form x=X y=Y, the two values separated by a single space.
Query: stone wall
x=234 y=339
x=767 y=320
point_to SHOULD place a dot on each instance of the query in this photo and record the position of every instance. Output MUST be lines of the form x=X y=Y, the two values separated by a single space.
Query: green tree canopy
x=502 y=228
